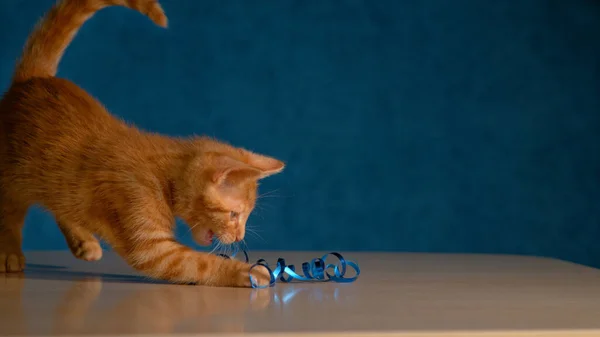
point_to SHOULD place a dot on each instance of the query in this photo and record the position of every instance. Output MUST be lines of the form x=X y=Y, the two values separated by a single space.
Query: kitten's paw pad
x=12 y=262
x=88 y=251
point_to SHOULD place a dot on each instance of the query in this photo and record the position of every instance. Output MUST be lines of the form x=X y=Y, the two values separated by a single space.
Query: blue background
x=424 y=126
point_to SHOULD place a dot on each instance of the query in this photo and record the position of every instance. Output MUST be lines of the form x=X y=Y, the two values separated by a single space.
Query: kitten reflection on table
x=93 y=304
x=169 y=308
x=156 y=309
x=11 y=288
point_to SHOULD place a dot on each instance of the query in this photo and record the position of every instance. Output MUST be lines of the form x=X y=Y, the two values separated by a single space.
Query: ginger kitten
x=99 y=176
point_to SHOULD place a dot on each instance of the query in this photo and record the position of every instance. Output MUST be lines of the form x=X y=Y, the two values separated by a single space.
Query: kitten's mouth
x=204 y=237
x=209 y=236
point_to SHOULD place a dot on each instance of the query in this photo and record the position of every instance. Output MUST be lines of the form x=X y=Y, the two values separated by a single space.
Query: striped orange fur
x=100 y=177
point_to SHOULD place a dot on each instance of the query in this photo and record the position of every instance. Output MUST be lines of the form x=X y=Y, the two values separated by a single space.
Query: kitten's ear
x=267 y=165
x=232 y=172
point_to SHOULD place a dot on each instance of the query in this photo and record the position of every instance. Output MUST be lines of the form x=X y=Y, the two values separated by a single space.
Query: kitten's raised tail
x=53 y=34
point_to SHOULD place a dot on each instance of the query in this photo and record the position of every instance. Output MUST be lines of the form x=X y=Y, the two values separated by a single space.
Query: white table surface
x=396 y=295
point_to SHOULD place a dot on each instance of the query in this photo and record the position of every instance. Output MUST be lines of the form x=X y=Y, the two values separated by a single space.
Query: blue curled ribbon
x=315 y=270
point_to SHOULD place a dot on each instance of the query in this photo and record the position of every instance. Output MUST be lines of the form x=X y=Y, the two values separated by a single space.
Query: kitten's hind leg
x=12 y=217
x=81 y=241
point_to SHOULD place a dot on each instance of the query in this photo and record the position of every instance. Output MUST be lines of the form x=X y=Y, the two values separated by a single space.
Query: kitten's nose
x=239 y=235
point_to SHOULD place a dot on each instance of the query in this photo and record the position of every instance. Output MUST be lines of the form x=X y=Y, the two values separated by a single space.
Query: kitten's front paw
x=261 y=276
x=242 y=272
x=12 y=262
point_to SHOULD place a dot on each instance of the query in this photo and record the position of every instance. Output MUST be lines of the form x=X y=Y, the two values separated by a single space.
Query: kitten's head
x=218 y=192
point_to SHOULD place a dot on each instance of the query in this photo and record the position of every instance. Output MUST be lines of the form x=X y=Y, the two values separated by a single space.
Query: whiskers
x=225 y=249
x=217 y=247
x=191 y=227
x=253 y=231
x=260 y=206
x=271 y=194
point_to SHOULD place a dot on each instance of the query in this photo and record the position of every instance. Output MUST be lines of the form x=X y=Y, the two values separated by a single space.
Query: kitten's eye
x=234 y=215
